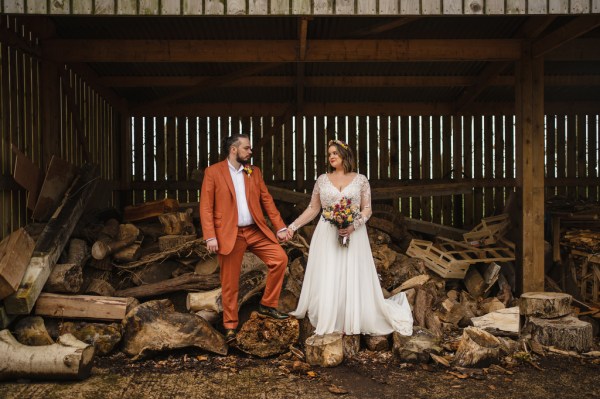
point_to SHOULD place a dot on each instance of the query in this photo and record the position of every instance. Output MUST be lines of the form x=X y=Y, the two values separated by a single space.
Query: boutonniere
x=248 y=170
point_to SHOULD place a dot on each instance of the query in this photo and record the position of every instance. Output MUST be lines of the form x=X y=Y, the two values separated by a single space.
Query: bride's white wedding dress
x=341 y=290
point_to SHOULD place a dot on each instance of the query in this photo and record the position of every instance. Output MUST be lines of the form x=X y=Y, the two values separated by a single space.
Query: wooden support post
x=529 y=97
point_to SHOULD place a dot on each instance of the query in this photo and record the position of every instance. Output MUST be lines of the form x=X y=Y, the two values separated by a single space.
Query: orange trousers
x=250 y=238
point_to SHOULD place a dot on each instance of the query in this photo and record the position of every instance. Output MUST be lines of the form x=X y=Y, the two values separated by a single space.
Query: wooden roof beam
x=342 y=81
x=302 y=44
x=572 y=30
x=281 y=50
x=380 y=28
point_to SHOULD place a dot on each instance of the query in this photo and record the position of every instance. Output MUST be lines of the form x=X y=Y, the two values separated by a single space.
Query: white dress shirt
x=238 y=176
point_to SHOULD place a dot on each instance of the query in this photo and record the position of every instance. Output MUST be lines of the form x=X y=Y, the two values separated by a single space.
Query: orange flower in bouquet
x=341 y=215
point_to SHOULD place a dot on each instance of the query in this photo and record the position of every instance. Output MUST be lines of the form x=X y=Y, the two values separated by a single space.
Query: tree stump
x=568 y=333
x=104 y=337
x=417 y=347
x=100 y=287
x=31 y=331
x=477 y=348
x=67 y=359
x=209 y=315
x=377 y=343
x=207 y=266
x=154 y=326
x=65 y=278
x=325 y=350
x=263 y=336
x=545 y=305
x=351 y=345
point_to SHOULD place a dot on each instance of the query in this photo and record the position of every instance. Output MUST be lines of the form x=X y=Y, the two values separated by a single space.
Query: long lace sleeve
x=365 y=203
x=311 y=211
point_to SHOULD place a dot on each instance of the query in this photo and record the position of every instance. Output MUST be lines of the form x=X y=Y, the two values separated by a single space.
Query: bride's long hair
x=348 y=160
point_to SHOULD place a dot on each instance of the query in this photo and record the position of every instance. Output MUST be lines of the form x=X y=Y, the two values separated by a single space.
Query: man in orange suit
x=232 y=201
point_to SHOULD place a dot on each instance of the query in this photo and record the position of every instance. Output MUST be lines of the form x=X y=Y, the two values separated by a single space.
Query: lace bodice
x=326 y=194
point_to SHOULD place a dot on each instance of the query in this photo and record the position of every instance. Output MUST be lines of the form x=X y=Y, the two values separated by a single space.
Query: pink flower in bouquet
x=341 y=215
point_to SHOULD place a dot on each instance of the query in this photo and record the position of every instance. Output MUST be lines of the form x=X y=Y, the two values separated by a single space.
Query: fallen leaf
x=492 y=387
x=337 y=390
x=458 y=375
x=440 y=360
x=311 y=373
x=426 y=367
x=457 y=387
x=202 y=358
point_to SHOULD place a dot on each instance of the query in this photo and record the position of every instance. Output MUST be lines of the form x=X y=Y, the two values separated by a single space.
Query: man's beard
x=241 y=161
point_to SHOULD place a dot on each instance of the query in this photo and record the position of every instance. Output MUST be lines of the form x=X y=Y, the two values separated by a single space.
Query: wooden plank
x=275 y=51
x=203 y=143
x=571 y=139
x=280 y=7
x=127 y=7
x=468 y=168
x=457 y=166
x=426 y=164
x=191 y=7
x=90 y=307
x=342 y=132
x=52 y=241
x=214 y=155
x=593 y=141
x=558 y=6
x=321 y=146
x=373 y=140
x=214 y=7
x=498 y=162
x=28 y=175
x=60 y=7
x=5 y=319
x=182 y=158
x=447 y=167
x=473 y=7
x=257 y=155
x=405 y=160
x=362 y=140
x=596 y=6
x=415 y=161
x=322 y=7
x=582 y=153
x=138 y=157
x=516 y=7
x=267 y=149
x=15 y=125
x=452 y=7
x=171 y=153
x=566 y=33
x=494 y=7
x=160 y=155
x=58 y=178
x=478 y=211
x=15 y=252
x=288 y=152
x=277 y=153
x=149 y=156
x=192 y=159
x=394 y=161
x=173 y=7
x=550 y=152
x=388 y=7
x=311 y=161
x=436 y=166
x=580 y=6
x=344 y=7
x=258 y=7
x=366 y=7
x=301 y=7
x=300 y=150
x=410 y=7
x=150 y=209
x=149 y=7
x=537 y=7
x=353 y=136
x=488 y=144
x=14 y=7
x=431 y=7
x=384 y=147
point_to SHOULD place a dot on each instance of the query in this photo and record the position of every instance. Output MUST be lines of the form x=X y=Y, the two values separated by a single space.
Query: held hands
x=283 y=235
x=212 y=246
x=346 y=232
x=289 y=234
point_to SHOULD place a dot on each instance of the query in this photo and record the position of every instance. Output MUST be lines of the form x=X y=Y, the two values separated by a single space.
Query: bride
x=341 y=290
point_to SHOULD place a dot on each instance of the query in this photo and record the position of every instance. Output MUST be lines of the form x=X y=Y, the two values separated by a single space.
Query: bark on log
x=5 y=319
x=568 y=333
x=79 y=252
x=101 y=264
x=325 y=350
x=190 y=281
x=209 y=315
x=290 y=294
x=31 y=331
x=351 y=345
x=101 y=249
x=52 y=242
x=177 y=223
x=251 y=283
x=100 y=287
x=84 y=306
x=172 y=241
x=417 y=347
x=423 y=305
x=263 y=336
x=104 y=337
x=155 y=273
x=154 y=326
x=67 y=359
x=65 y=278
x=490 y=305
x=412 y=282
x=149 y=209
x=546 y=305
x=377 y=343
x=477 y=348
x=501 y=322
x=207 y=266
x=15 y=253
x=129 y=254
x=475 y=283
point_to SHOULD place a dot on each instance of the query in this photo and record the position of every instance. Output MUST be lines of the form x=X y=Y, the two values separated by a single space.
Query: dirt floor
x=194 y=374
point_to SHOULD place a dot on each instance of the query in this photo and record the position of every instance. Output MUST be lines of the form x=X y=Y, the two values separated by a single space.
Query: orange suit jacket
x=218 y=206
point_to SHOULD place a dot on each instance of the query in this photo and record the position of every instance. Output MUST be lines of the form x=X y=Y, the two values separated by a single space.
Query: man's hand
x=346 y=232
x=289 y=235
x=282 y=235
x=212 y=246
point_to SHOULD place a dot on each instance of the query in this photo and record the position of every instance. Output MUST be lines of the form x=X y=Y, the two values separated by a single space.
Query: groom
x=232 y=200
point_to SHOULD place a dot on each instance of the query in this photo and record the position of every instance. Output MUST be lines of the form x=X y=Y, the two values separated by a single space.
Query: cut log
x=177 y=223
x=417 y=347
x=28 y=175
x=52 y=242
x=15 y=254
x=5 y=319
x=129 y=254
x=490 y=305
x=423 y=305
x=263 y=336
x=59 y=177
x=491 y=275
x=568 y=333
x=31 y=331
x=434 y=324
x=377 y=343
x=546 y=305
x=154 y=326
x=351 y=345
x=79 y=252
x=65 y=278
x=155 y=272
x=149 y=209
x=110 y=229
x=173 y=241
x=413 y=282
x=104 y=337
x=192 y=248
x=190 y=281
x=475 y=283
x=100 y=287
x=501 y=322
x=251 y=283
x=83 y=306
x=290 y=293
x=325 y=350
x=477 y=348
x=101 y=264
x=207 y=266
x=127 y=236
x=297 y=268
x=67 y=359
x=209 y=315
x=505 y=294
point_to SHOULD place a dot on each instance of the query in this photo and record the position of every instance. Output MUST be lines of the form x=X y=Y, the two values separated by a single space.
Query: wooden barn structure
x=450 y=105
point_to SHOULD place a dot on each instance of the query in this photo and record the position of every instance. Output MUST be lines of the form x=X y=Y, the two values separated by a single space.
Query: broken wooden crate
x=489 y=231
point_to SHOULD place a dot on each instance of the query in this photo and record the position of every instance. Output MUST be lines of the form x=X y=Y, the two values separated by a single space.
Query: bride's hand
x=346 y=232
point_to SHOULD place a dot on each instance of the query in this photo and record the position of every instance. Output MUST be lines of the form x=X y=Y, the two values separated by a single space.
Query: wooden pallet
x=470 y=254
x=442 y=263
x=589 y=274
x=489 y=231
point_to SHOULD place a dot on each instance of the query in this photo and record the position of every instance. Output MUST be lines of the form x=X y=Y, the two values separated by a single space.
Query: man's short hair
x=231 y=141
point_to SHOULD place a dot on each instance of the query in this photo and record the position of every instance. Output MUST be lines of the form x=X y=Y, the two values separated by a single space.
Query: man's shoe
x=271 y=312
x=230 y=335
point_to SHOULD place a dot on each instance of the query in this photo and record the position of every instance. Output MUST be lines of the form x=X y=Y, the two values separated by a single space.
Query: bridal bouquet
x=341 y=215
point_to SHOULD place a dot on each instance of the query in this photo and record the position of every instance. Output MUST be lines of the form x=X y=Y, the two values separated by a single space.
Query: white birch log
x=67 y=359
x=477 y=348
x=325 y=350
